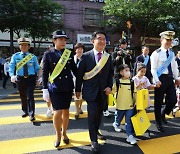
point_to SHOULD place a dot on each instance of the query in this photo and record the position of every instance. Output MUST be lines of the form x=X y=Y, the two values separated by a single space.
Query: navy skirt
x=60 y=100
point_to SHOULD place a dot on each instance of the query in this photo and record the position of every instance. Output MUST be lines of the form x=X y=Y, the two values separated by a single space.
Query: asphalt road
x=13 y=128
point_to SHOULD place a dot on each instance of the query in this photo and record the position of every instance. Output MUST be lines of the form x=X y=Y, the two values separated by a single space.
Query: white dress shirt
x=157 y=59
x=96 y=54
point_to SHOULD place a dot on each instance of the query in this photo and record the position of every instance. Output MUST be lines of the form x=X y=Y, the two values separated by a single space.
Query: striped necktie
x=25 y=67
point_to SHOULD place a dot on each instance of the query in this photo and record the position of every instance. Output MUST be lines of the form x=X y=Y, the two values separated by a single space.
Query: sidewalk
x=9 y=89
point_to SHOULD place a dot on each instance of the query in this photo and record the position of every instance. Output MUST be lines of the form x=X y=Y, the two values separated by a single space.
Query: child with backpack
x=124 y=107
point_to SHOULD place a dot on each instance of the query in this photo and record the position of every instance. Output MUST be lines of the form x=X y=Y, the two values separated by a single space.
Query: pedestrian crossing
x=78 y=132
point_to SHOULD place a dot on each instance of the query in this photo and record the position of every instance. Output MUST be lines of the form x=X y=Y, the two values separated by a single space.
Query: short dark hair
x=97 y=32
x=140 y=66
x=121 y=67
x=122 y=41
x=144 y=46
x=78 y=45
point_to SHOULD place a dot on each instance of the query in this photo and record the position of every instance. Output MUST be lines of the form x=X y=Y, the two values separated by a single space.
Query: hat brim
x=168 y=37
x=24 y=43
x=58 y=36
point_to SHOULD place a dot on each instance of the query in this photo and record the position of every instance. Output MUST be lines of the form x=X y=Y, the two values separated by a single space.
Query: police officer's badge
x=63 y=32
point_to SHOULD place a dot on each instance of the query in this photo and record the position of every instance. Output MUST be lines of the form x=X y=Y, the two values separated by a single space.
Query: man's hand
x=177 y=81
x=78 y=95
x=107 y=90
x=158 y=84
x=13 y=79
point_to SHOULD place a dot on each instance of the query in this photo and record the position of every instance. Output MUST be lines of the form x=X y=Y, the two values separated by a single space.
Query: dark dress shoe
x=94 y=147
x=32 y=118
x=24 y=115
x=66 y=141
x=56 y=144
x=160 y=128
x=76 y=116
x=164 y=118
x=81 y=112
x=100 y=136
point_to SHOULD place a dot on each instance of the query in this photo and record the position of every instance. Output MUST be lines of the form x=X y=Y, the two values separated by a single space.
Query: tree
x=37 y=17
x=148 y=17
x=44 y=17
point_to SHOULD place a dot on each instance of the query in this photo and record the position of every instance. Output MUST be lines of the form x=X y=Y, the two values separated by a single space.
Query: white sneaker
x=106 y=113
x=117 y=128
x=49 y=113
x=131 y=139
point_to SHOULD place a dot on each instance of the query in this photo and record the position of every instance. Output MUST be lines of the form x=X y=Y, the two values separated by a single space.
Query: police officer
x=58 y=87
x=23 y=69
x=164 y=69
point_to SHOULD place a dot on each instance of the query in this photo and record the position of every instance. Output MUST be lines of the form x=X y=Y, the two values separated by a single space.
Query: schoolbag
x=119 y=84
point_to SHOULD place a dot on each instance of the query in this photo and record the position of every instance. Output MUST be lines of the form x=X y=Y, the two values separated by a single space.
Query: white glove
x=40 y=80
x=13 y=79
x=46 y=95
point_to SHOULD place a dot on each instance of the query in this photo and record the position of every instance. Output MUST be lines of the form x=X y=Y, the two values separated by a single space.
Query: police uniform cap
x=59 y=33
x=167 y=35
x=24 y=40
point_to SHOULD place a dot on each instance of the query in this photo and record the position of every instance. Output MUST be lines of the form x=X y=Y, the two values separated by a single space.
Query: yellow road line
x=42 y=117
x=39 y=118
x=37 y=105
x=17 y=94
x=18 y=100
x=162 y=145
x=43 y=143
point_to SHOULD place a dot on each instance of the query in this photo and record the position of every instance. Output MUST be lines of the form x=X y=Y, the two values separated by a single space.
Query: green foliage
x=37 y=17
x=149 y=16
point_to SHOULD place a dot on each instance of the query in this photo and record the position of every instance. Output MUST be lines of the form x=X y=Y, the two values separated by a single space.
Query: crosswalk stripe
x=37 y=105
x=42 y=117
x=43 y=143
x=18 y=99
x=17 y=95
x=162 y=145
x=39 y=118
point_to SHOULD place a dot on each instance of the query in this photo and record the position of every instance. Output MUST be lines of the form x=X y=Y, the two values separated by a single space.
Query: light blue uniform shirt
x=33 y=65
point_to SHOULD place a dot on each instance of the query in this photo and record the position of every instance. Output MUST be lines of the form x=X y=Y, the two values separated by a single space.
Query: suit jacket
x=140 y=58
x=178 y=62
x=98 y=83
x=64 y=81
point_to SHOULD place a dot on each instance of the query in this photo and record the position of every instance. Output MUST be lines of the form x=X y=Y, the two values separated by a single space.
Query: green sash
x=60 y=65
x=20 y=64
x=97 y=68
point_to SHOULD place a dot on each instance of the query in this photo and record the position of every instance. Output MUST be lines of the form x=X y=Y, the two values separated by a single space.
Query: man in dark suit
x=144 y=58
x=96 y=82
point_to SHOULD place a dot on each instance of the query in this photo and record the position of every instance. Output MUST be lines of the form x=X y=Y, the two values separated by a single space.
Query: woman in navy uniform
x=61 y=89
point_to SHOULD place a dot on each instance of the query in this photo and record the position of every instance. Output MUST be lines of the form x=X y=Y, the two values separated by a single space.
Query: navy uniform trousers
x=95 y=110
x=167 y=88
x=26 y=88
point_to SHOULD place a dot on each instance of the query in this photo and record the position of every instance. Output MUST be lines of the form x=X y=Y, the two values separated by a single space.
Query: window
x=93 y=17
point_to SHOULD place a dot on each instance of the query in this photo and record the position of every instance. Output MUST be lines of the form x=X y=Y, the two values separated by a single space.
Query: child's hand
x=107 y=90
